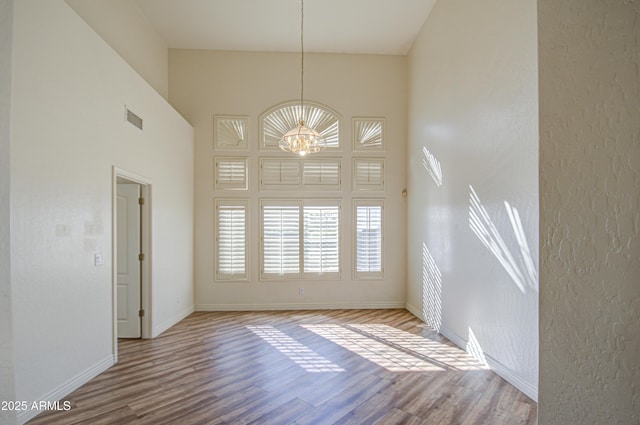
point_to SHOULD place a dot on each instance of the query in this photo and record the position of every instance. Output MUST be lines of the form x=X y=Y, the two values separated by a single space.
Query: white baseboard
x=299 y=306
x=68 y=387
x=415 y=311
x=529 y=389
x=158 y=329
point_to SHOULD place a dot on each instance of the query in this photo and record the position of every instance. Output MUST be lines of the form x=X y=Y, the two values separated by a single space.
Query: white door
x=128 y=264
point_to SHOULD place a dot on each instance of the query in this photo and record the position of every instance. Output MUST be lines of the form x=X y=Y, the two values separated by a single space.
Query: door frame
x=120 y=175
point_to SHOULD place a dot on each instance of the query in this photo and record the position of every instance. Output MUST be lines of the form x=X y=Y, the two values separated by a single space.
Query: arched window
x=278 y=120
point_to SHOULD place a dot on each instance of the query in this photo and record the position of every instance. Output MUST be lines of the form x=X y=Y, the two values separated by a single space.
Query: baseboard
x=526 y=387
x=529 y=389
x=299 y=306
x=68 y=387
x=415 y=311
x=158 y=329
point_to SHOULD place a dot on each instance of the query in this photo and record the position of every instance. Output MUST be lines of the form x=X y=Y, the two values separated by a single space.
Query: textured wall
x=473 y=181
x=6 y=337
x=590 y=212
x=68 y=130
x=123 y=26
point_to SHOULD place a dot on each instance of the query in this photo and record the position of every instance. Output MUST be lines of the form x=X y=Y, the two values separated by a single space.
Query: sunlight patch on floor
x=298 y=353
x=375 y=350
x=449 y=357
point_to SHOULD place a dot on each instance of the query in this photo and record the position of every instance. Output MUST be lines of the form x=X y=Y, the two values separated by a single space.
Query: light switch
x=98 y=259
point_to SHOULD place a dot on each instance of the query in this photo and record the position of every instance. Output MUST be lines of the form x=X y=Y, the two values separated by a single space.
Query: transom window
x=279 y=120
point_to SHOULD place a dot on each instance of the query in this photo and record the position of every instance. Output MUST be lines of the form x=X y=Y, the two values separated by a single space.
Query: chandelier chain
x=302 y=140
x=301 y=60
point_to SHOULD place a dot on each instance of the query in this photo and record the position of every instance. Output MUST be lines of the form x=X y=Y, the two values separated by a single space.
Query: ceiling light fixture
x=302 y=140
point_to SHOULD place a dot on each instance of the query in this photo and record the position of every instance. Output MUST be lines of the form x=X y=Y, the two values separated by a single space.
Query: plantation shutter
x=280 y=240
x=321 y=240
x=368 y=174
x=368 y=240
x=368 y=134
x=321 y=174
x=231 y=241
x=231 y=174
x=279 y=174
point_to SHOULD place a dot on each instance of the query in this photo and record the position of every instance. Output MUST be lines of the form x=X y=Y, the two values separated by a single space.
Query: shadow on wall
x=523 y=273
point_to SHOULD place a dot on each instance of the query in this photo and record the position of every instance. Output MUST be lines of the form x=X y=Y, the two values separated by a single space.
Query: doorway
x=128 y=260
x=131 y=295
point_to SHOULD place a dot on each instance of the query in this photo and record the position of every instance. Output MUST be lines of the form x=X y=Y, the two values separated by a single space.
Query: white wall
x=473 y=112
x=589 y=212
x=68 y=130
x=205 y=83
x=125 y=28
x=6 y=338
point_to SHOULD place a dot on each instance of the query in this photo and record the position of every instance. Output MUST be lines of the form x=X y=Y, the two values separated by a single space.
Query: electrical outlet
x=98 y=259
x=301 y=291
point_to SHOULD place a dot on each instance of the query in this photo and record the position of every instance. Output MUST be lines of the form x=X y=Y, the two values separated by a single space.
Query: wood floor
x=311 y=367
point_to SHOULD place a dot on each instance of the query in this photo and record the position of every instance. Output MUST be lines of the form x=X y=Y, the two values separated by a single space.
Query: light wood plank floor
x=309 y=367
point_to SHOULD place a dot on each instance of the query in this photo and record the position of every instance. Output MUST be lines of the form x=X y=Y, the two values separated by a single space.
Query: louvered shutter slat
x=231 y=241
x=368 y=239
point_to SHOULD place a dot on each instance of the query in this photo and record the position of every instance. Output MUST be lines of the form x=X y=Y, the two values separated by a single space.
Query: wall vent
x=132 y=118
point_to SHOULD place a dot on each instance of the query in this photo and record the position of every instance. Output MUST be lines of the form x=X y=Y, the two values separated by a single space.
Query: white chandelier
x=302 y=140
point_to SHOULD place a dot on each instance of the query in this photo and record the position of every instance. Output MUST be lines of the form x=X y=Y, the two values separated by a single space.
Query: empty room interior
x=455 y=239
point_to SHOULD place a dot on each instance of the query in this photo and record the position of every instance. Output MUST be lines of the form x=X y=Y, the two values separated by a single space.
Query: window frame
x=218 y=137
x=244 y=203
x=356 y=123
x=286 y=116
x=368 y=187
x=225 y=186
x=301 y=183
x=367 y=275
x=300 y=204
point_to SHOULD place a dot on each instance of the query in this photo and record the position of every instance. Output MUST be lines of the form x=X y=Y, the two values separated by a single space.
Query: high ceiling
x=336 y=26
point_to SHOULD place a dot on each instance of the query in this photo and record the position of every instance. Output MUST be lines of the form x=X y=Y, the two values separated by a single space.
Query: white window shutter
x=368 y=174
x=231 y=240
x=279 y=174
x=230 y=133
x=322 y=240
x=321 y=174
x=368 y=134
x=282 y=118
x=280 y=241
x=231 y=174
x=368 y=239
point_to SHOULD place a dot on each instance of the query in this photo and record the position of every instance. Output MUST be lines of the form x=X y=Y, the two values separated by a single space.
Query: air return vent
x=134 y=119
